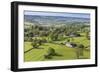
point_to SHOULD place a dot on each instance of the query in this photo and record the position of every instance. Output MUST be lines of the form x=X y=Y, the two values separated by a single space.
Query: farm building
x=71 y=45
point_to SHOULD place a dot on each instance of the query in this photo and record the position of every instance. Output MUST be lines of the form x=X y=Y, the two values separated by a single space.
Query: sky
x=78 y=15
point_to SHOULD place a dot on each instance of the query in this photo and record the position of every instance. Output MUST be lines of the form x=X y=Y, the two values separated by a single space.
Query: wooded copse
x=55 y=32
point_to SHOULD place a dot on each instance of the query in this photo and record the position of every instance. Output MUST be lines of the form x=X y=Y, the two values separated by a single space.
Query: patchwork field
x=64 y=52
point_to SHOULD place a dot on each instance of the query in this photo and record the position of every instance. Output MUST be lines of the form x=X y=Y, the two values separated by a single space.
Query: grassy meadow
x=65 y=53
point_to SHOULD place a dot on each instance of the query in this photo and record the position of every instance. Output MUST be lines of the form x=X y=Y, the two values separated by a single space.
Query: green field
x=64 y=52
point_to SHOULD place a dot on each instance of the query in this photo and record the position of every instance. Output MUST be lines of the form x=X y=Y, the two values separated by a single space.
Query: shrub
x=62 y=43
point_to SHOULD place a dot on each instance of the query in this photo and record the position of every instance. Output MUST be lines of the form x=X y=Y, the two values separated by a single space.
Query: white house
x=71 y=45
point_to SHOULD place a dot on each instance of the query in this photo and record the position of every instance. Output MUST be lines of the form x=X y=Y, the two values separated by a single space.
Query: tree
x=39 y=42
x=68 y=40
x=87 y=35
x=28 y=39
x=53 y=36
x=79 y=50
x=35 y=43
x=43 y=40
x=50 y=53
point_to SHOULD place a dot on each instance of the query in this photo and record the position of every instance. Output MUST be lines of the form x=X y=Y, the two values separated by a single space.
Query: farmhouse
x=71 y=45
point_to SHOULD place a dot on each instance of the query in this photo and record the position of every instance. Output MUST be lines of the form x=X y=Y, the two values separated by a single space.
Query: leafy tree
x=51 y=51
x=87 y=35
x=35 y=43
x=68 y=40
x=39 y=42
x=44 y=40
x=79 y=50
x=28 y=39
x=54 y=36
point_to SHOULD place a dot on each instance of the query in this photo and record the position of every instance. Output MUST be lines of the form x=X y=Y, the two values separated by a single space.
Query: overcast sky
x=79 y=15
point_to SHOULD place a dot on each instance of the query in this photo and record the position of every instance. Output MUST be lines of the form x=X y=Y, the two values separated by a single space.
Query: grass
x=65 y=53
x=37 y=54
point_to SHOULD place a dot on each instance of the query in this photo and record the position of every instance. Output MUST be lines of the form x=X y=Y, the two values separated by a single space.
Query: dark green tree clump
x=80 y=50
x=50 y=53
x=35 y=44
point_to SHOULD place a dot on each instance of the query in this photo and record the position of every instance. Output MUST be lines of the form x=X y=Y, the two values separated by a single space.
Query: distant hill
x=49 y=20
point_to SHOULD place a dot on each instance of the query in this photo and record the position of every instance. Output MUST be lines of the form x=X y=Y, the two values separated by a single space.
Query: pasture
x=64 y=52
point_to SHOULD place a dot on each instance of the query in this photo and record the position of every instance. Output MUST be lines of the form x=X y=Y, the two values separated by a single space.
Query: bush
x=62 y=43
